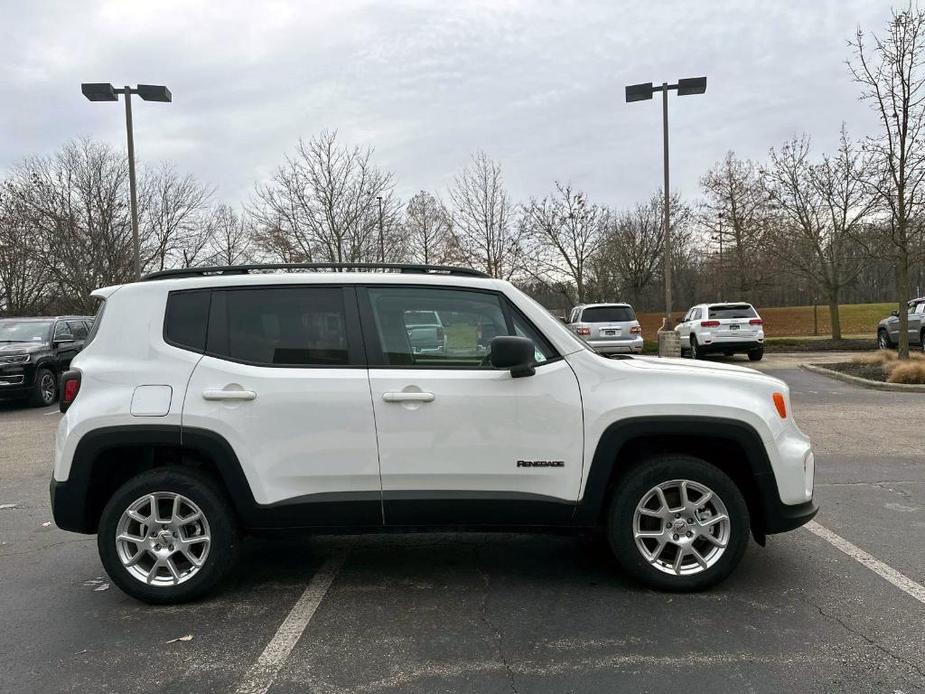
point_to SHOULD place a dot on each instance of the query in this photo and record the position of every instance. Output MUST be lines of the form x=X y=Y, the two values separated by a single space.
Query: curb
x=865 y=382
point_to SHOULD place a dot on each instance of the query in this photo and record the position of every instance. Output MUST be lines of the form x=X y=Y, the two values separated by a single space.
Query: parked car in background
x=35 y=351
x=425 y=331
x=607 y=328
x=727 y=328
x=888 y=328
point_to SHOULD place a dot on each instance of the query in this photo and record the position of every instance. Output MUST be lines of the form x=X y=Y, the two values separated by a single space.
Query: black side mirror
x=514 y=353
x=64 y=340
x=894 y=313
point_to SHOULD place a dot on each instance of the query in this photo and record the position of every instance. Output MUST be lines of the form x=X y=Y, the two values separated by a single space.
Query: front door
x=459 y=441
x=285 y=383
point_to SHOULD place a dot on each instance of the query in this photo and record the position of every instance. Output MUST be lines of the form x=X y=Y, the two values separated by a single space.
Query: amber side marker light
x=779 y=403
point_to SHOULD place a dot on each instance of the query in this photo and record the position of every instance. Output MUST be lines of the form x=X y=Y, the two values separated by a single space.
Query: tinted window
x=732 y=311
x=282 y=326
x=186 y=319
x=467 y=322
x=79 y=328
x=63 y=332
x=608 y=314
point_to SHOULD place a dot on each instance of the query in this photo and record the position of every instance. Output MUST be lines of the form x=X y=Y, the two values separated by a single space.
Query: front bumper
x=16 y=380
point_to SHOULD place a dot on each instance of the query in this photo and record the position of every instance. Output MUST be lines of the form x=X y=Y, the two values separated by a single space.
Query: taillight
x=756 y=321
x=583 y=331
x=70 y=387
x=709 y=323
x=636 y=330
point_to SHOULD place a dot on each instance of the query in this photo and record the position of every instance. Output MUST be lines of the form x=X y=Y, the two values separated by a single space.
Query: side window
x=420 y=326
x=186 y=319
x=543 y=350
x=696 y=313
x=280 y=326
x=78 y=328
x=62 y=331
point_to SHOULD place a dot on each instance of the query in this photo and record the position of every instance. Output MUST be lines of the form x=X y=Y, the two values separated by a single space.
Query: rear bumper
x=725 y=344
x=68 y=507
x=633 y=346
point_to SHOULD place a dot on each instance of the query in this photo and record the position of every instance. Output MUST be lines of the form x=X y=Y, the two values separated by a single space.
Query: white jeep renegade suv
x=211 y=402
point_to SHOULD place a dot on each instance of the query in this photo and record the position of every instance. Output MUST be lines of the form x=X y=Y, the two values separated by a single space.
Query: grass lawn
x=857 y=321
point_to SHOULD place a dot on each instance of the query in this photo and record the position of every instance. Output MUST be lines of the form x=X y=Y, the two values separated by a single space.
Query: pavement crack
x=483 y=613
x=871 y=642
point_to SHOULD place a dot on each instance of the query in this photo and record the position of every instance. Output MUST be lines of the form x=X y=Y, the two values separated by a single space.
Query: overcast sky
x=537 y=85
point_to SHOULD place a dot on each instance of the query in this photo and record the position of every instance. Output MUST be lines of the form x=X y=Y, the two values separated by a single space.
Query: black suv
x=35 y=351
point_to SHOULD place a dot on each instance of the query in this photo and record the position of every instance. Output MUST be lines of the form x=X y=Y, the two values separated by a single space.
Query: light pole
x=642 y=92
x=103 y=91
x=381 y=239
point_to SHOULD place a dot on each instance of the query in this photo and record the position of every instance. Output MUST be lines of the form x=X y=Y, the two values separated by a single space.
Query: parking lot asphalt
x=495 y=613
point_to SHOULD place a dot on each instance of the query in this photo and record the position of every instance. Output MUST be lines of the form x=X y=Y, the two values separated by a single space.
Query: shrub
x=912 y=371
x=883 y=357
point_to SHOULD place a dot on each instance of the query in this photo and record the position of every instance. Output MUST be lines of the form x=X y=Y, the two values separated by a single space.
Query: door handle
x=213 y=394
x=408 y=397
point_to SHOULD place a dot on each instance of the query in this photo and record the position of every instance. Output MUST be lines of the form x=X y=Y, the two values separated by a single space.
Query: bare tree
x=820 y=207
x=563 y=233
x=24 y=276
x=892 y=78
x=428 y=230
x=173 y=215
x=736 y=206
x=322 y=205
x=482 y=223
x=231 y=237
x=75 y=201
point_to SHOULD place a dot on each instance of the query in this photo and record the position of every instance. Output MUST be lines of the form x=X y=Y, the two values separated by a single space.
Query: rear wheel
x=756 y=354
x=167 y=536
x=695 y=348
x=45 y=389
x=678 y=523
x=883 y=339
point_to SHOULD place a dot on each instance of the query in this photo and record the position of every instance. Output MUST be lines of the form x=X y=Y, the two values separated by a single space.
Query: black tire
x=756 y=354
x=922 y=340
x=637 y=484
x=883 y=340
x=695 y=348
x=45 y=388
x=202 y=490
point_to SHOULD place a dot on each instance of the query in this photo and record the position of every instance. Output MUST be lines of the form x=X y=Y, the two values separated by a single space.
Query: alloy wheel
x=681 y=527
x=163 y=539
x=47 y=388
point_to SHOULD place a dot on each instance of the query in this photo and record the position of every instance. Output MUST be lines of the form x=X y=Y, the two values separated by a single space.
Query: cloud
x=537 y=85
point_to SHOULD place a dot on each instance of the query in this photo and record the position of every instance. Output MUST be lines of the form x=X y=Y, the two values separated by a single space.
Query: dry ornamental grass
x=894 y=369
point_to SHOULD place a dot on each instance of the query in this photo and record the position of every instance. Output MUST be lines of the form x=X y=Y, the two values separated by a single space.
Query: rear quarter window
x=186 y=319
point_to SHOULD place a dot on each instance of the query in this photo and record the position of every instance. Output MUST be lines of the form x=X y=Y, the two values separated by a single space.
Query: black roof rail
x=221 y=270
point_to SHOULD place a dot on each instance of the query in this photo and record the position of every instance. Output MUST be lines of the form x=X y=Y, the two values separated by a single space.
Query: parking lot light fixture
x=104 y=91
x=644 y=92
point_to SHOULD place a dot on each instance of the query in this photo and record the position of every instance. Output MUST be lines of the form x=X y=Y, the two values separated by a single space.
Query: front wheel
x=167 y=536
x=45 y=390
x=678 y=523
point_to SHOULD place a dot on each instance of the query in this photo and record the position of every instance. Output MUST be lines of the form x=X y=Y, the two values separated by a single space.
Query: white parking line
x=901 y=581
x=260 y=677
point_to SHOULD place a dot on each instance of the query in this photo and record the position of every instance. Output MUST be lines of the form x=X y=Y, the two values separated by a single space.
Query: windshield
x=24 y=330
x=608 y=314
x=733 y=311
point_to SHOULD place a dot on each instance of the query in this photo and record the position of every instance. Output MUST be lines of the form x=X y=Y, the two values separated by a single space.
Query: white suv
x=726 y=328
x=211 y=402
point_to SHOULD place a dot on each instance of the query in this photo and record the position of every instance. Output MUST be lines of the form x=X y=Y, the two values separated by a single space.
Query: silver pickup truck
x=888 y=329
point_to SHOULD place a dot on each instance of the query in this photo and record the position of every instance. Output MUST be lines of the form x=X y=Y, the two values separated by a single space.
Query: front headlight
x=14 y=358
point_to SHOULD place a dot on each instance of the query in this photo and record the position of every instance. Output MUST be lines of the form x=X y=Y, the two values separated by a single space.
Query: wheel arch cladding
x=732 y=446
x=99 y=467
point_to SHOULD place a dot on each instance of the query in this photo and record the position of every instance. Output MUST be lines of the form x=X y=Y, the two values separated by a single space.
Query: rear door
x=459 y=441
x=284 y=381
x=916 y=322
